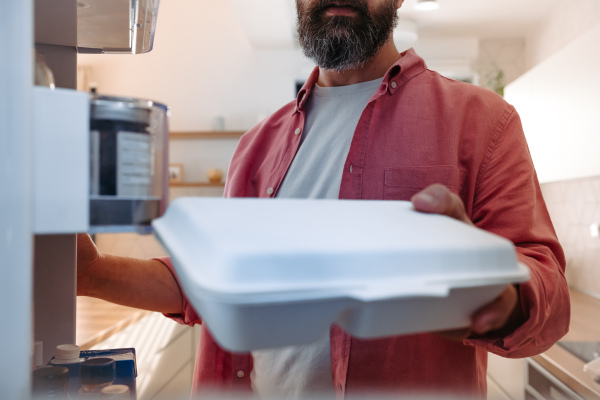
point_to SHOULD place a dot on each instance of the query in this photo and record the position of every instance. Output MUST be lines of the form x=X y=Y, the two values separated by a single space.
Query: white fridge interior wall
x=16 y=237
x=54 y=262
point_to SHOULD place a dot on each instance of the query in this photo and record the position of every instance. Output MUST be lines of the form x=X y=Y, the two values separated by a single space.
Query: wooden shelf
x=196 y=184
x=207 y=135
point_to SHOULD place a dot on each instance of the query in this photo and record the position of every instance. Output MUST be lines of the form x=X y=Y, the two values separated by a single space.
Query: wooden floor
x=97 y=320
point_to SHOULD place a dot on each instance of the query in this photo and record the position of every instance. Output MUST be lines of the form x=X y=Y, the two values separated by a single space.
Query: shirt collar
x=407 y=66
x=304 y=93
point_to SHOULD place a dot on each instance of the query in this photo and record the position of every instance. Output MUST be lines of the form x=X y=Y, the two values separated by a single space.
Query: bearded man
x=371 y=123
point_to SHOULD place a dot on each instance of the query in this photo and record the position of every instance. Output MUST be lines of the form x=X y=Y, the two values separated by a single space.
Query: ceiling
x=271 y=23
x=479 y=18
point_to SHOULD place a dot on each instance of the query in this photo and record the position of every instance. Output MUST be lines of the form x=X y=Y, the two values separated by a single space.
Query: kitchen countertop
x=584 y=328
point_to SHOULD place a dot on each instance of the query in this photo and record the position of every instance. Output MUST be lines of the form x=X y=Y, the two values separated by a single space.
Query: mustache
x=320 y=5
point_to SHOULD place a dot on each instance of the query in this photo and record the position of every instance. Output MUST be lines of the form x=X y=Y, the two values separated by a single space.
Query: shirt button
x=394 y=84
x=297 y=131
x=240 y=374
x=270 y=191
x=350 y=168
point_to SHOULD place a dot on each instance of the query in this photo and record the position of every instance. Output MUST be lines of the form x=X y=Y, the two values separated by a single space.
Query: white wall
x=555 y=98
x=558 y=101
x=566 y=21
x=502 y=54
x=454 y=57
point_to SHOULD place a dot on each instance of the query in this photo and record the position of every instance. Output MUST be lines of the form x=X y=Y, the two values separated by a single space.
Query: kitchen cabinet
x=508 y=376
x=494 y=392
x=511 y=376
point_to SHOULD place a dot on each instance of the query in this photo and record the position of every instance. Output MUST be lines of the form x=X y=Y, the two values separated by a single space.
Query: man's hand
x=438 y=199
x=504 y=313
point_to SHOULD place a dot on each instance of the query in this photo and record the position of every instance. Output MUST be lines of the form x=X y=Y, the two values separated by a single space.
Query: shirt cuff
x=189 y=316
x=546 y=321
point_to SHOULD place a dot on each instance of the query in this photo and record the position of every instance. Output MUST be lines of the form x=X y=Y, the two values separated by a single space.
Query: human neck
x=375 y=68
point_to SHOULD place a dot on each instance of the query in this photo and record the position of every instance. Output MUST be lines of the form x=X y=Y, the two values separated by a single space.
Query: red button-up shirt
x=419 y=128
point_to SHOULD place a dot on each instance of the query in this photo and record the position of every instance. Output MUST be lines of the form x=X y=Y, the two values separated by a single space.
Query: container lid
x=278 y=272
x=96 y=371
x=115 y=392
x=275 y=249
x=123 y=109
x=66 y=353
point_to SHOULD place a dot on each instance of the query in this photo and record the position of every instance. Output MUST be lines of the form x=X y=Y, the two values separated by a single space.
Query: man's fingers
x=495 y=315
x=438 y=199
x=490 y=317
x=504 y=310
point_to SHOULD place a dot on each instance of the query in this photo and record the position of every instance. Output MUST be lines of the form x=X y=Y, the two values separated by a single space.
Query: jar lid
x=121 y=109
x=96 y=371
x=66 y=353
x=115 y=391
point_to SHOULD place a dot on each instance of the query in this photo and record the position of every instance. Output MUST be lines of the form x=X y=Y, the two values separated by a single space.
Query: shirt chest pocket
x=401 y=183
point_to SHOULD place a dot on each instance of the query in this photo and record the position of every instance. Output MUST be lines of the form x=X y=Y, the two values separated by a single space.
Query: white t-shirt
x=332 y=114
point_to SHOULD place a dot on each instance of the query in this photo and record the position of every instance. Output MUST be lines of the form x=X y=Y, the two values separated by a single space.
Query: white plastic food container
x=274 y=272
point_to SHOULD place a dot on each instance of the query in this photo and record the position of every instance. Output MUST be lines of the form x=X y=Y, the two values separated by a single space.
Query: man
x=373 y=124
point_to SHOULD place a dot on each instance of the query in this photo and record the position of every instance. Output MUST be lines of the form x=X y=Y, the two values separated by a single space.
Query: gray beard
x=339 y=45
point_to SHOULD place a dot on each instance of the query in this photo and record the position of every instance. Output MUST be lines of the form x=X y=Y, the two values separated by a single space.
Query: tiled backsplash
x=574 y=207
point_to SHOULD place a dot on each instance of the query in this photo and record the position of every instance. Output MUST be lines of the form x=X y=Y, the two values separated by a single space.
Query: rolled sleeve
x=545 y=305
x=189 y=316
x=509 y=203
